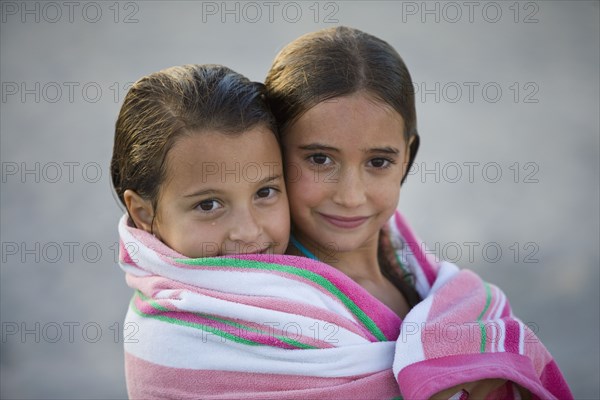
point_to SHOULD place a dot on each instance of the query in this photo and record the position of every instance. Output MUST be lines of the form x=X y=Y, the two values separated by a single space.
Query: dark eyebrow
x=202 y=193
x=269 y=179
x=213 y=192
x=387 y=149
x=317 y=146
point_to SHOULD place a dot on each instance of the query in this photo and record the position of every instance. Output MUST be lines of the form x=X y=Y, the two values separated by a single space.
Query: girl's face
x=224 y=195
x=345 y=158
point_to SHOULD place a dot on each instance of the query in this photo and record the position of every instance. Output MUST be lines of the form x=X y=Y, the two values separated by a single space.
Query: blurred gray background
x=506 y=181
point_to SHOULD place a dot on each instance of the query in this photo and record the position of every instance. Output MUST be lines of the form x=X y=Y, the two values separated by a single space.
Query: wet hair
x=337 y=62
x=163 y=106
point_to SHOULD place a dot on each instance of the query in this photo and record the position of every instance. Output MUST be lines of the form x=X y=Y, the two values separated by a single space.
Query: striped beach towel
x=285 y=327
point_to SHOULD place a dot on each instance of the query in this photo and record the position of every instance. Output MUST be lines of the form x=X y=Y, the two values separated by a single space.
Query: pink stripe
x=125 y=257
x=387 y=321
x=146 y=380
x=382 y=316
x=124 y=254
x=146 y=308
x=512 y=336
x=315 y=312
x=391 y=323
x=494 y=303
x=535 y=350
x=266 y=337
x=506 y=310
x=450 y=326
x=427 y=266
x=150 y=286
x=552 y=378
x=423 y=379
x=291 y=307
x=148 y=240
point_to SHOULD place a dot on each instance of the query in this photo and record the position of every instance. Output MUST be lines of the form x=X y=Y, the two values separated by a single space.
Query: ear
x=139 y=209
x=411 y=152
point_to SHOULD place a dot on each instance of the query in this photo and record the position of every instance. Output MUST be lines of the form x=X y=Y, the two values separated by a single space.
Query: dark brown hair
x=164 y=105
x=338 y=62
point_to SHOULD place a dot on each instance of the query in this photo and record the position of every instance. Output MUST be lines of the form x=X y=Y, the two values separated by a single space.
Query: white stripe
x=251 y=283
x=521 y=338
x=409 y=346
x=135 y=271
x=260 y=284
x=502 y=303
x=446 y=272
x=498 y=344
x=181 y=347
x=494 y=305
x=502 y=337
x=194 y=302
x=493 y=310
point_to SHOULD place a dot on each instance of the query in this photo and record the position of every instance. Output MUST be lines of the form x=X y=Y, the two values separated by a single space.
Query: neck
x=360 y=264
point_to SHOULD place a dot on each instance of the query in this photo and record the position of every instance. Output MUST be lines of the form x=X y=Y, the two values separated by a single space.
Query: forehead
x=212 y=155
x=349 y=119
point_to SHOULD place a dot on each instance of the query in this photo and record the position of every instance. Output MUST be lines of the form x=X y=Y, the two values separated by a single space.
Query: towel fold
x=285 y=327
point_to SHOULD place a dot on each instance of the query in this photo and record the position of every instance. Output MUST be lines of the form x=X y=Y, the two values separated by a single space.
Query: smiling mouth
x=266 y=250
x=248 y=250
x=344 y=222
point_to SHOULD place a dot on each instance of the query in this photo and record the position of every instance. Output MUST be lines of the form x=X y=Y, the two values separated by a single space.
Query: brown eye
x=266 y=192
x=320 y=159
x=380 y=163
x=208 y=205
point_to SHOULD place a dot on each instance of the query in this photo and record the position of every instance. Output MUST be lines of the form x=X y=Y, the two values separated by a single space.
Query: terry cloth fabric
x=285 y=327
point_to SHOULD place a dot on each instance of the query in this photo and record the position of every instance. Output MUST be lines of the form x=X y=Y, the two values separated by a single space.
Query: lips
x=265 y=250
x=248 y=249
x=344 y=222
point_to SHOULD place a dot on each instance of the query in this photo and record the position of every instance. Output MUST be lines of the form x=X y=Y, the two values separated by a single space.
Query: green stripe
x=203 y=327
x=488 y=299
x=152 y=302
x=211 y=329
x=262 y=332
x=316 y=278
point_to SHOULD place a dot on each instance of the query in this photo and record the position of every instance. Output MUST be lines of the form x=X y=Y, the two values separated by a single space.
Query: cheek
x=280 y=223
x=387 y=194
x=163 y=226
x=303 y=191
x=203 y=240
x=276 y=226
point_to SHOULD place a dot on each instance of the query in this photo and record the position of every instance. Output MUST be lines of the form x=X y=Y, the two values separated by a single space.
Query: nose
x=350 y=190
x=246 y=228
